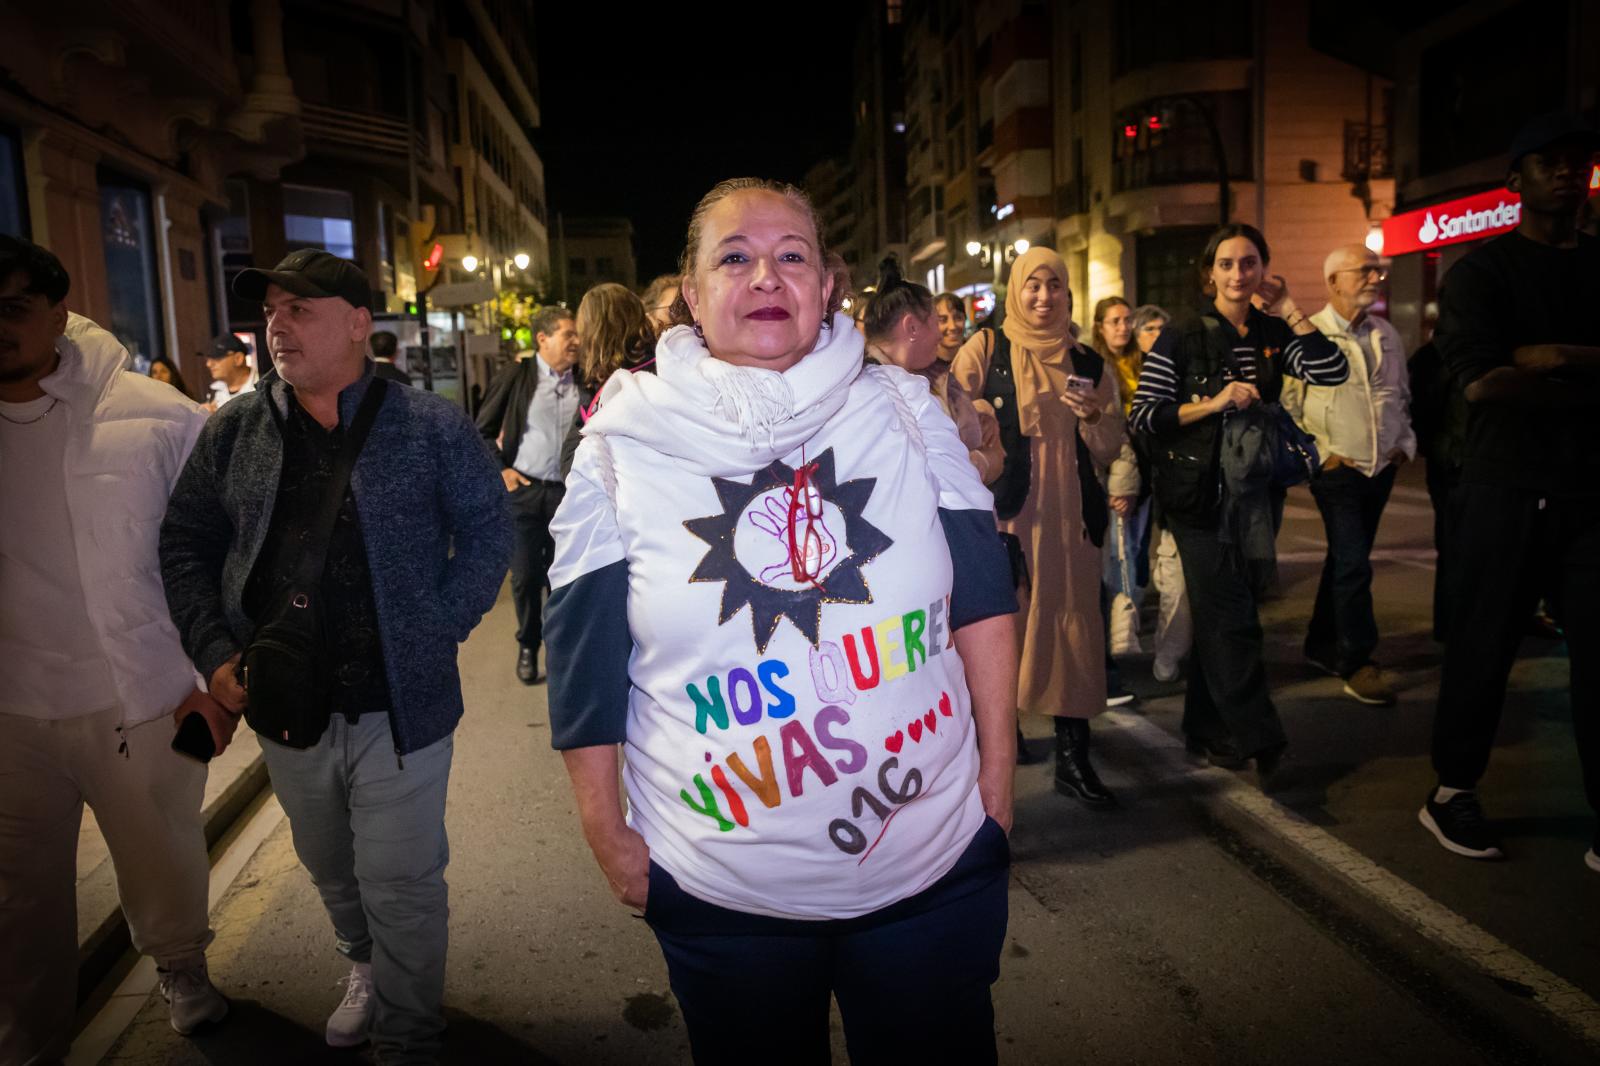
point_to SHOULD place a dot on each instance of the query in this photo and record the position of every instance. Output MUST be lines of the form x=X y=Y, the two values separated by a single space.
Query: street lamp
x=469 y=263
x=974 y=247
x=521 y=259
x=1021 y=246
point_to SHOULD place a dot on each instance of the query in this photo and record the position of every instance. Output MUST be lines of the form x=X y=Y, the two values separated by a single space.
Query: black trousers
x=912 y=980
x=1343 y=629
x=532 y=507
x=1227 y=695
x=1509 y=548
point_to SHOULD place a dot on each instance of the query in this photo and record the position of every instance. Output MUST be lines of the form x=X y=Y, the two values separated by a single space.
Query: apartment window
x=13 y=186
x=235 y=228
x=603 y=266
x=129 y=242
x=319 y=218
x=576 y=265
x=1167 y=141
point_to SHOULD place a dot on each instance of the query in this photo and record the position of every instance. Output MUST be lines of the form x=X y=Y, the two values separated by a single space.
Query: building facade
x=1122 y=134
x=161 y=147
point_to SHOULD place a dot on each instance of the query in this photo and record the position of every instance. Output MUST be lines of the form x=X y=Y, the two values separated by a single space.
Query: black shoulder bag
x=284 y=670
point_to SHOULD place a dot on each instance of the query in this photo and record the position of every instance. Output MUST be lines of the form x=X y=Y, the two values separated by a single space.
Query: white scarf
x=724 y=420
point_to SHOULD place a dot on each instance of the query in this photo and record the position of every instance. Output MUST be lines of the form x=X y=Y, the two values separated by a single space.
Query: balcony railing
x=361 y=131
x=1367 y=152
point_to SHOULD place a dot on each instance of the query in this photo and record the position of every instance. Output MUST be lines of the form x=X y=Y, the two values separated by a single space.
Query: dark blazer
x=503 y=417
x=433 y=515
x=390 y=372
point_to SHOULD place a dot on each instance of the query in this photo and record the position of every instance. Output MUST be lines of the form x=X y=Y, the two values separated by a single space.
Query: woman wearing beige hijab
x=1059 y=415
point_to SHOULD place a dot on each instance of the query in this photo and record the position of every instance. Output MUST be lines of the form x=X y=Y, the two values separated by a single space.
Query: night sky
x=645 y=108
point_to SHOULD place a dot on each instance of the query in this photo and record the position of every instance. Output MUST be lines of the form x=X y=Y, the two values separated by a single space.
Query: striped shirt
x=1311 y=357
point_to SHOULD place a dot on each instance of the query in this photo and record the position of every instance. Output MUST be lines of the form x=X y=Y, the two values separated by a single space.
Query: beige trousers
x=1174 y=627
x=147 y=802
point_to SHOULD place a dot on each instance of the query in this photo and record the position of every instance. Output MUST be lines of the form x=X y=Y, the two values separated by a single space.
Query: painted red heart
x=915 y=729
x=895 y=742
x=931 y=720
x=944 y=705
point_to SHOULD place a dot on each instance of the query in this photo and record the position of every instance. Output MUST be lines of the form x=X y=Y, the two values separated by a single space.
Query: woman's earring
x=698 y=332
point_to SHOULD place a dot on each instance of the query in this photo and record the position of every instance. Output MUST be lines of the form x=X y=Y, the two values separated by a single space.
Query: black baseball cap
x=1547 y=129
x=225 y=345
x=308 y=272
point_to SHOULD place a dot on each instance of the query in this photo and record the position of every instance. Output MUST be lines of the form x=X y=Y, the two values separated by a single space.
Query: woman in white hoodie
x=779 y=590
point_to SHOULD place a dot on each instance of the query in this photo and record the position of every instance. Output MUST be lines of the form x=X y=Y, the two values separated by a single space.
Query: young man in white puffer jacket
x=92 y=674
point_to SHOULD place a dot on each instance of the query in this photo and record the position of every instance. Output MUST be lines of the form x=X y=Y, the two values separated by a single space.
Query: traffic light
x=427 y=255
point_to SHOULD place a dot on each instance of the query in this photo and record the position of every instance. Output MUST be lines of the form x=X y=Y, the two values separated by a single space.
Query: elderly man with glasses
x=1363 y=432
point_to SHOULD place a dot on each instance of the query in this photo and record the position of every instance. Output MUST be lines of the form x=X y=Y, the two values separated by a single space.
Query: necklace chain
x=36 y=418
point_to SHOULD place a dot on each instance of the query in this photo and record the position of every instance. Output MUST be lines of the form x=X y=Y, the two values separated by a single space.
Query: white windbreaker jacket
x=128 y=440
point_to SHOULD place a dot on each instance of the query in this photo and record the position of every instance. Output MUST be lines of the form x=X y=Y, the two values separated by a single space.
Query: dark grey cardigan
x=434 y=520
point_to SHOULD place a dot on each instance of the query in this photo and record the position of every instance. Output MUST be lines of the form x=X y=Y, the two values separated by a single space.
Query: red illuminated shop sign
x=1470 y=218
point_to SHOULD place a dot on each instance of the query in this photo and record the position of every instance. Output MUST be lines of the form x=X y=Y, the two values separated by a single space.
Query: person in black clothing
x=1518 y=332
x=384 y=345
x=1229 y=364
x=526 y=414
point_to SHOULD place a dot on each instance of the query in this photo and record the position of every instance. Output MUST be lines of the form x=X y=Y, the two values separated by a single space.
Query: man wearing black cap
x=228 y=362
x=1518 y=329
x=416 y=556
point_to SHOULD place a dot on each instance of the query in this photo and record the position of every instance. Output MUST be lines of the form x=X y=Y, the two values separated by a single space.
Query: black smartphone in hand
x=194 y=738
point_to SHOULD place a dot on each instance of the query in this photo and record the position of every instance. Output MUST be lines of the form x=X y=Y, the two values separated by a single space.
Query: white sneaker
x=192 y=999
x=1591 y=859
x=1163 y=670
x=347 y=1025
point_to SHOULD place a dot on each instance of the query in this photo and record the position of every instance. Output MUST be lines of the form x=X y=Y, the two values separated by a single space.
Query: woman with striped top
x=1196 y=379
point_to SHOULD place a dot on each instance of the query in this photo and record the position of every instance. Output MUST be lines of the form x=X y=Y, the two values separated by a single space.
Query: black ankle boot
x=1075 y=775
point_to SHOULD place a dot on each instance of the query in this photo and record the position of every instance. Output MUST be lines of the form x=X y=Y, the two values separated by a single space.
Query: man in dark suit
x=530 y=407
x=384 y=345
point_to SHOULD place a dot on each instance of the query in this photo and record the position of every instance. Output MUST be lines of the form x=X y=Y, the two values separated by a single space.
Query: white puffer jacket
x=128 y=440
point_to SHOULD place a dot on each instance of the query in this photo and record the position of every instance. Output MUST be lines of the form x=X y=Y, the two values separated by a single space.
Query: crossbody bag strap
x=308 y=575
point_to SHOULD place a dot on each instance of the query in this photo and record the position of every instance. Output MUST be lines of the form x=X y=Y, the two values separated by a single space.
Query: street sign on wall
x=1470 y=218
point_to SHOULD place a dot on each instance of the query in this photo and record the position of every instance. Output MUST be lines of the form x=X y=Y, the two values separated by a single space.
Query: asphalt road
x=1166 y=932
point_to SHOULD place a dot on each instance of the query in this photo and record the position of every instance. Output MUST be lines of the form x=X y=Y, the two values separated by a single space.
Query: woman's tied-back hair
x=1101 y=310
x=680 y=313
x=1208 y=257
x=949 y=301
x=614 y=331
x=895 y=297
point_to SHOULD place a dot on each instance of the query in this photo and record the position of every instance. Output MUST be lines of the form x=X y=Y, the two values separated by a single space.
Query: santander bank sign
x=1467 y=219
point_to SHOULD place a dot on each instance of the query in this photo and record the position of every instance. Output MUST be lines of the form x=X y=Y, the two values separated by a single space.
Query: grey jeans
x=371 y=834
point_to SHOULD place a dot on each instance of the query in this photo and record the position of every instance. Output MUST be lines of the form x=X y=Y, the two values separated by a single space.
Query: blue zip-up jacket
x=434 y=520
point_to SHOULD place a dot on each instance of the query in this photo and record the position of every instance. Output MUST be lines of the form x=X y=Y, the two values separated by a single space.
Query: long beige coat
x=1060 y=627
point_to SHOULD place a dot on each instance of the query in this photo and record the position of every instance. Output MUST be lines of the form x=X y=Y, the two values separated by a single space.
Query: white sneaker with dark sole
x=350 y=1020
x=1459 y=826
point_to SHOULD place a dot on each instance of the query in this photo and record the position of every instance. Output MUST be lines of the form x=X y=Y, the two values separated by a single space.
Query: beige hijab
x=1033 y=349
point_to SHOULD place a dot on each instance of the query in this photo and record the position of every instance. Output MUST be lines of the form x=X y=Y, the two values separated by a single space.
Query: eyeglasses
x=1376 y=273
x=805 y=541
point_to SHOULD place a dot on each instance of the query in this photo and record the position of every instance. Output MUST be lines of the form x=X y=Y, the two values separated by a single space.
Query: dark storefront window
x=1174 y=31
x=1168 y=273
x=13 y=186
x=1167 y=142
x=129 y=240
x=1481 y=85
